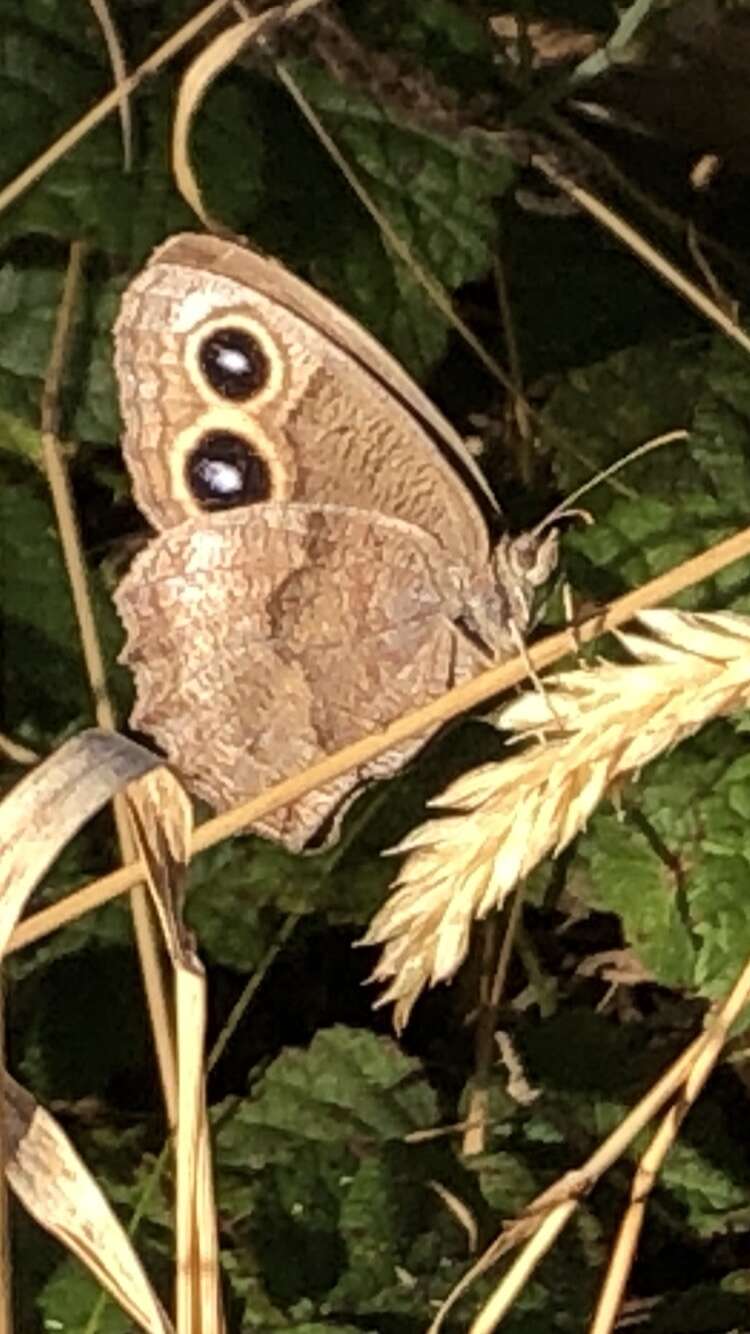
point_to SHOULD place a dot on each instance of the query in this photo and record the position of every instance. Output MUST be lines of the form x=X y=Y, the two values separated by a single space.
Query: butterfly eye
x=234 y=363
x=224 y=471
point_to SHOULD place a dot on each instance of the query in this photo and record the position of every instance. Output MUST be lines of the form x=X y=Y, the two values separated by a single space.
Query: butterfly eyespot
x=224 y=471
x=234 y=363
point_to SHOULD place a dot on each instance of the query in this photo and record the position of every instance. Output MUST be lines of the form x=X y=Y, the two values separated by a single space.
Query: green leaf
x=674 y=867
x=441 y=35
x=103 y=1010
x=315 y=1163
x=18 y=438
x=316 y=1327
x=347 y=1084
x=29 y=298
x=42 y=668
x=679 y=498
x=28 y=303
x=630 y=879
x=48 y=84
x=69 y=1298
x=436 y=191
x=701 y=1309
x=708 y=1174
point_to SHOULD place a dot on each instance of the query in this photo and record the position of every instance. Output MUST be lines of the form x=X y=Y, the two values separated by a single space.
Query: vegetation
x=359 y=1174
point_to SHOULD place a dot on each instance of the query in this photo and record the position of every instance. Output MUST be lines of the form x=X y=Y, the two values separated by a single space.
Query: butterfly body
x=321 y=565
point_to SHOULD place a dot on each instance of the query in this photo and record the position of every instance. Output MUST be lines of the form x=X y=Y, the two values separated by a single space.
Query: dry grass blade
x=597 y=725
x=52 y=1182
x=461 y=1212
x=163 y=821
x=43 y=812
x=392 y=237
x=15 y=752
x=162 y=817
x=37 y=819
x=197 y=81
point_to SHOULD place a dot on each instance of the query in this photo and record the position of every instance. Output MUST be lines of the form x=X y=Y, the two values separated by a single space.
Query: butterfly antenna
x=566 y=511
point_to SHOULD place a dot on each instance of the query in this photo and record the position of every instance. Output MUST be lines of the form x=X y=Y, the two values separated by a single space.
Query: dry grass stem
x=469 y=695
x=162 y=816
x=546 y=1216
x=647 y=253
x=497 y=955
x=16 y=752
x=646 y=1174
x=57 y=476
x=623 y=1254
x=75 y=564
x=67 y=141
x=597 y=725
x=391 y=237
x=119 y=69
x=554 y=1206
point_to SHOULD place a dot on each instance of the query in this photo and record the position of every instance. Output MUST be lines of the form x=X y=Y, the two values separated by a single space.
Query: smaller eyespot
x=234 y=363
x=224 y=471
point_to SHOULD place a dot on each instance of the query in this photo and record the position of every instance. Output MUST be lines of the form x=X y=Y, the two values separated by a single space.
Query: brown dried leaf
x=162 y=818
x=49 y=1178
x=51 y=803
x=37 y=819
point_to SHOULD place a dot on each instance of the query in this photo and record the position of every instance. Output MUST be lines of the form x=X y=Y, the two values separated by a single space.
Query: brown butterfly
x=322 y=565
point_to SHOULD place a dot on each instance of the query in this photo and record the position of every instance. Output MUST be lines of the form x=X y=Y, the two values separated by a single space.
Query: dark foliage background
x=328 y=1218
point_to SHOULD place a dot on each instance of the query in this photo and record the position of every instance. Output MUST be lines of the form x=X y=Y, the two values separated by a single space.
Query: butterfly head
x=522 y=565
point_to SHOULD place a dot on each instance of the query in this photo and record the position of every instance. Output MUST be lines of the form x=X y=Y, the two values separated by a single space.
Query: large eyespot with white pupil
x=233 y=359
x=224 y=459
x=223 y=471
x=234 y=363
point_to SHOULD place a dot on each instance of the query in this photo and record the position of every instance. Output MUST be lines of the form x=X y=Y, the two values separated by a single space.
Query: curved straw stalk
x=463 y=697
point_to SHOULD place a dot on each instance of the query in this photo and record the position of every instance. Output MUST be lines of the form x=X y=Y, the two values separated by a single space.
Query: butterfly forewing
x=241 y=385
x=271 y=279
